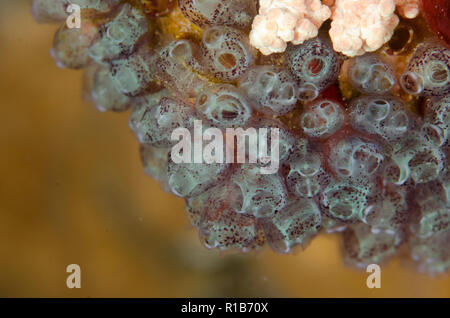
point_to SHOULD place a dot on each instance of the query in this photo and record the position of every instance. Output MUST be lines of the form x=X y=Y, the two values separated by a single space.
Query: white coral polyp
x=361 y=26
x=358 y=26
x=282 y=21
x=408 y=8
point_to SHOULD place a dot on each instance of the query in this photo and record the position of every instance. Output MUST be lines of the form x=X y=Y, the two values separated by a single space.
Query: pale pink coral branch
x=361 y=26
x=358 y=26
x=408 y=8
x=283 y=21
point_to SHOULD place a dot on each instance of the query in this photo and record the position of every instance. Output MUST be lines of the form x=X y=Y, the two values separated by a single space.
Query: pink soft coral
x=358 y=26
x=408 y=8
x=282 y=21
x=361 y=26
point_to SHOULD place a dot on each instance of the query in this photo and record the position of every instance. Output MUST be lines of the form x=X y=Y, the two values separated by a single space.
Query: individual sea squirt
x=371 y=166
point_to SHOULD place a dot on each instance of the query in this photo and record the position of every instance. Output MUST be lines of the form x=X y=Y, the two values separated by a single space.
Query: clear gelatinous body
x=71 y=46
x=271 y=89
x=153 y=123
x=314 y=64
x=437 y=120
x=178 y=67
x=370 y=75
x=260 y=195
x=322 y=119
x=103 y=92
x=428 y=71
x=305 y=174
x=119 y=36
x=381 y=115
x=236 y=13
x=354 y=157
x=295 y=224
x=191 y=179
x=414 y=157
x=346 y=200
x=219 y=225
x=226 y=53
x=363 y=247
x=224 y=106
x=132 y=75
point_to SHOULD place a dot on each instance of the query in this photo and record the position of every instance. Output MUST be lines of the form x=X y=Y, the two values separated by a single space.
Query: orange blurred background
x=72 y=190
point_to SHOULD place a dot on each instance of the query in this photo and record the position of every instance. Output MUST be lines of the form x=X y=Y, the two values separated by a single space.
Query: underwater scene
x=225 y=148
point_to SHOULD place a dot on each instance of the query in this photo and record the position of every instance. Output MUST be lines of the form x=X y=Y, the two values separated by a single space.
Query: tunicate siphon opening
x=359 y=74
x=342 y=210
x=434 y=134
x=267 y=79
x=315 y=66
x=438 y=73
x=401 y=38
x=227 y=60
x=411 y=83
x=378 y=109
x=237 y=198
x=211 y=36
x=308 y=92
x=287 y=92
x=180 y=49
x=202 y=100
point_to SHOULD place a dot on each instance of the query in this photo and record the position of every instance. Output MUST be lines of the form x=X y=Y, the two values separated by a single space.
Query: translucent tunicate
x=261 y=195
x=271 y=89
x=71 y=46
x=190 y=171
x=219 y=225
x=433 y=215
x=363 y=247
x=191 y=179
x=224 y=105
x=286 y=139
x=322 y=119
x=426 y=163
x=103 y=92
x=178 y=68
x=119 y=36
x=237 y=13
x=295 y=224
x=430 y=225
x=437 y=120
x=232 y=230
x=428 y=71
x=413 y=157
x=133 y=75
x=370 y=75
x=374 y=169
x=314 y=64
x=431 y=254
x=305 y=175
x=387 y=210
x=153 y=122
x=226 y=52
x=385 y=116
x=355 y=157
x=345 y=201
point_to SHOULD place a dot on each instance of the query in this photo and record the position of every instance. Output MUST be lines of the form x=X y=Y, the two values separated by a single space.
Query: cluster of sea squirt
x=364 y=141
